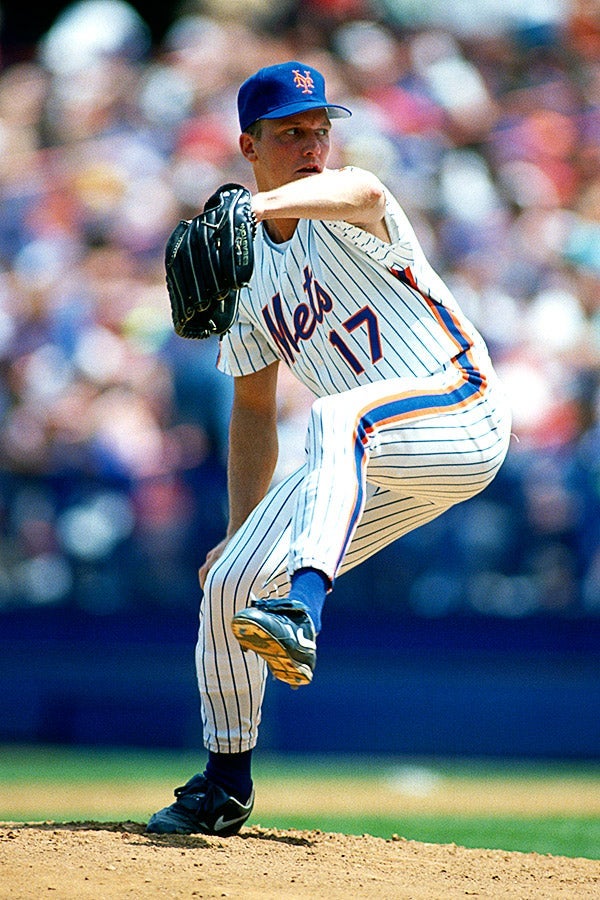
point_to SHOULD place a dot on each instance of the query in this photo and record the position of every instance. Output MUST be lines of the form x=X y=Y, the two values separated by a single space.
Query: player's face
x=289 y=148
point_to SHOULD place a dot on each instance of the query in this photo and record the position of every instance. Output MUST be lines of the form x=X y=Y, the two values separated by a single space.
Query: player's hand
x=211 y=557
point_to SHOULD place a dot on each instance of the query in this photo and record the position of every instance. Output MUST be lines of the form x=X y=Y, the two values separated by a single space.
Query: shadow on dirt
x=256 y=833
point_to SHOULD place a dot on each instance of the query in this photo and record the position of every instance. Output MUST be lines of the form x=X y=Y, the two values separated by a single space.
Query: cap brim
x=334 y=111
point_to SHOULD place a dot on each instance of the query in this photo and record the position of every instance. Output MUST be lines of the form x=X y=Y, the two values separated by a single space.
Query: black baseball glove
x=208 y=260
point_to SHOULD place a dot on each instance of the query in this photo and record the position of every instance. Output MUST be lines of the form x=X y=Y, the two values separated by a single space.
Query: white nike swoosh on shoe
x=222 y=823
x=305 y=642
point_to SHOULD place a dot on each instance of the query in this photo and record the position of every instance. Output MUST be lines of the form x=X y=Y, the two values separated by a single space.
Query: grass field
x=551 y=808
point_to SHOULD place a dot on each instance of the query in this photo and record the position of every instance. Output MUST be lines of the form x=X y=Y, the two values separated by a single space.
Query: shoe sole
x=252 y=636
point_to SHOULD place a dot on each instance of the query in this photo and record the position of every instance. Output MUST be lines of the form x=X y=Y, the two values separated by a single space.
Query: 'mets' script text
x=305 y=319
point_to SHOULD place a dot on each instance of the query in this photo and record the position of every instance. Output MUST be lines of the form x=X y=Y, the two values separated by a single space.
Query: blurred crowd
x=482 y=117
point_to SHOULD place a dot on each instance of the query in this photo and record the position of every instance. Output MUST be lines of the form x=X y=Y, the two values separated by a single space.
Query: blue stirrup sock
x=232 y=772
x=310 y=587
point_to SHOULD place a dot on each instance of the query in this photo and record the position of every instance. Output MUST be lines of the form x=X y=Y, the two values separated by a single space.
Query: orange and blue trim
x=469 y=384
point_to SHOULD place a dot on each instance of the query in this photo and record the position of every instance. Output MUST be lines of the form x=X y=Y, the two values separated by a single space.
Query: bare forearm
x=252 y=453
x=252 y=459
x=345 y=194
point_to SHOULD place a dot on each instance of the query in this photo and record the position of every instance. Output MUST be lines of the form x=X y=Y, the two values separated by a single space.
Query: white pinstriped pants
x=382 y=459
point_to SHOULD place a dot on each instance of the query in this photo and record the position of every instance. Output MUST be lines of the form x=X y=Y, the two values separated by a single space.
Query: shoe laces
x=198 y=786
x=283 y=607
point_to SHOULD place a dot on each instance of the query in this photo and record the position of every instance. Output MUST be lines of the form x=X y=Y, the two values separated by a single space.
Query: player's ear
x=247 y=146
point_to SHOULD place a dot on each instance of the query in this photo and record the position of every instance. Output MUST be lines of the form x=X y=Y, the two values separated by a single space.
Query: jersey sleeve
x=244 y=349
x=403 y=252
x=399 y=253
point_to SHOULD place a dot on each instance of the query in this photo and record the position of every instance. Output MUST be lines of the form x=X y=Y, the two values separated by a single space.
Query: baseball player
x=408 y=419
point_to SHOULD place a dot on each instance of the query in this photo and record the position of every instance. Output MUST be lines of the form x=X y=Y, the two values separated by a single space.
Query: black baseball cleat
x=201 y=808
x=282 y=632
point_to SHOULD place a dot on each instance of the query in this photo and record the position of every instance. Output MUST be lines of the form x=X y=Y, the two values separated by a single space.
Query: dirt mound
x=112 y=861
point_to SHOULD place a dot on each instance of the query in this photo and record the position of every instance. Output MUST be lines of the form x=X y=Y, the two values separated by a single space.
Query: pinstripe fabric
x=408 y=420
x=409 y=468
x=328 y=271
x=441 y=440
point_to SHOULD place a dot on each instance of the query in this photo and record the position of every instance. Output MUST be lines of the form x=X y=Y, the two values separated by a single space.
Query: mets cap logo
x=304 y=82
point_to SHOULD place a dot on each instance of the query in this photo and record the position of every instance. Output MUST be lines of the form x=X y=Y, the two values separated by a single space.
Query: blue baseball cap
x=282 y=90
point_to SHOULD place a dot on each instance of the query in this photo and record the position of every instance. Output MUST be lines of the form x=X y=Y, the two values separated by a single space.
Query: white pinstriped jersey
x=410 y=420
x=344 y=308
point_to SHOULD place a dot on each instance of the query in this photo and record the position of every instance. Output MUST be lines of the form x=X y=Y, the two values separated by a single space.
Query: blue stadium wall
x=462 y=686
